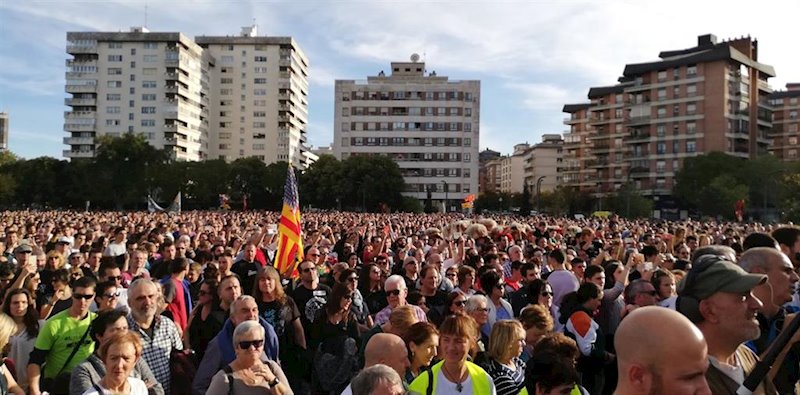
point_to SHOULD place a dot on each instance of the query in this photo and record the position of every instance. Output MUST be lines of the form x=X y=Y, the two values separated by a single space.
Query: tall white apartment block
x=136 y=82
x=259 y=97
x=426 y=123
x=3 y=131
x=209 y=98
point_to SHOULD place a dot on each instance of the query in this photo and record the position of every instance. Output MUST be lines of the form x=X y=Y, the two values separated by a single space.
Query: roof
x=783 y=94
x=721 y=51
x=602 y=91
x=576 y=107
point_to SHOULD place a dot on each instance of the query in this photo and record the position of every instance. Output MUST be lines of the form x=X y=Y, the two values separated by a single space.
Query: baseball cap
x=23 y=248
x=715 y=273
x=64 y=240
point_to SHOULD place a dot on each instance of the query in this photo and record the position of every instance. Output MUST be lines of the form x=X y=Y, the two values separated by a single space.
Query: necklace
x=457 y=379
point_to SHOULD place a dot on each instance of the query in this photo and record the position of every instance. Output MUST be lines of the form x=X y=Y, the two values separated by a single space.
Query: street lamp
x=538 y=193
x=446 y=196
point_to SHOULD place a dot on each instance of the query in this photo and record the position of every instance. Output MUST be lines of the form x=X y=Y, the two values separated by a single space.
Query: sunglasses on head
x=81 y=296
x=394 y=292
x=246 y=344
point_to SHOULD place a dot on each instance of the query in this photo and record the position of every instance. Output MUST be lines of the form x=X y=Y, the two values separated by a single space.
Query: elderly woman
x=504 y=365
x=89 y=373
x=477 y=307
x=7 y=328
x=454 y=374
x=120 y=353
x=248 y=374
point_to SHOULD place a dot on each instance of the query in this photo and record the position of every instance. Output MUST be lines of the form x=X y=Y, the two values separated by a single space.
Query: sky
x=531 y=57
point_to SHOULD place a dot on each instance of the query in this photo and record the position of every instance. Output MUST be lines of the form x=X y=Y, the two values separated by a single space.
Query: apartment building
x=425 y=122
x=136 y=82
x=710 y=97
x=3 y=131
x=259 y=92
x=209 y=98
x=486 y=181
x=785 y=122
x=542 y=164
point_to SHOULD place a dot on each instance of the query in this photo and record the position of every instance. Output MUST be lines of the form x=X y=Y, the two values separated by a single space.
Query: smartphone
x=272 y=229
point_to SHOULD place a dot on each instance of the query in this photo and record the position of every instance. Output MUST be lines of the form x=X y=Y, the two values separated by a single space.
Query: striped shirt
x=507 y=381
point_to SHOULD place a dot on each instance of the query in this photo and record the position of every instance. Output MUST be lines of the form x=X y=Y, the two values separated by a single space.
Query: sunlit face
x=454 y=348
x=144 y=301
x=19 y=305
x=458 y=304
x=230 y=290
x=120 y=360
x=599 y=279
x=424 y=353
x=254 y=341
x=546 y=296
x=735 y=314
x=481 y=313
x=246 y=310
x=266 y=284
x=666 y=287
x=108 y=299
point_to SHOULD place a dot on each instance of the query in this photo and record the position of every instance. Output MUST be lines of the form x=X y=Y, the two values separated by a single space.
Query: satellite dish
x=415 y=57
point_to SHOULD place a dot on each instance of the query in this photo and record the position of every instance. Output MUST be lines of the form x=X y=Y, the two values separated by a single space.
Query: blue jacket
x=220 y=352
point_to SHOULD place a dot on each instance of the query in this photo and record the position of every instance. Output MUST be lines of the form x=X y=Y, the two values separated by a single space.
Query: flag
x=290 y=240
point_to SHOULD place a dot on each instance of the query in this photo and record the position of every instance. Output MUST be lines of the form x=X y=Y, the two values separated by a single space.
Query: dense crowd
x=191 y=303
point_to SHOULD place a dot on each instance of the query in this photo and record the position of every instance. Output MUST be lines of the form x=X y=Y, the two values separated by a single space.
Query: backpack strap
x=229 y=373
x=429 y=390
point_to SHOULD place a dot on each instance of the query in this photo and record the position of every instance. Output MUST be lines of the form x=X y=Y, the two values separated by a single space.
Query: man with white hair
x=396 y=293
x=159 y=334
x=220 y=350
x=377 y=380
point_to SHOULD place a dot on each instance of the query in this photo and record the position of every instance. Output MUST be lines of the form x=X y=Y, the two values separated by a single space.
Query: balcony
x=640 y=120
x=75 y=127
x=80 y=102
x=81 y=88
x=638 y=137
x=79 y=140
x=81 y=49
x=79 y=114
x=77 y=154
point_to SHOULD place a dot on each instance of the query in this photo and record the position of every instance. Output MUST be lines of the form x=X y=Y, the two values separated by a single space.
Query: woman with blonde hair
x=504 y=365
x=119 y=355
x=454 y=373
x=7 y=382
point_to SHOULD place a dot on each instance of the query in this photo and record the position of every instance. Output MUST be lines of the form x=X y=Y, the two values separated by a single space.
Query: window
x=259 y=124
x=148 y=84
x=114 y=71
x=112 y=110
x=467 y=127
x=467 y=112
x=112 y=122
x=691 y=108
x=115 y=45
x=661 y=166
x=115 y=58
x=114 y=84
x=662 y=94
x=676 y=147
x=148 y=110
x=260 y=58
x=258 y=147
x=661 y=148
x=150 y=45
x=260 y=81
x=149 y=97
x=226 y=80
x=113 y=96
x=149 y=71
x=691 y=146
x=467 y=157
x=662 y=112
x=260 y=69
x=661 y=130
x=691 y=90
x=691 y=70
x=148 y=122
x=467 y=142
x=226 y=60
x=676 y=73
x=259 y=92
x=662 y=75
x=150 y=58
x=259 y=114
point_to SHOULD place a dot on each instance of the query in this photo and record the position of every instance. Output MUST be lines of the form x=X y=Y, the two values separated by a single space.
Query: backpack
x=332 y=372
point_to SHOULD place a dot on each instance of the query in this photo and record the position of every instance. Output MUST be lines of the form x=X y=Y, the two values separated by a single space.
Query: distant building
x=3 y=131
x=543 y=161
x=484 y=183
x=425 y=122
x=786 y=122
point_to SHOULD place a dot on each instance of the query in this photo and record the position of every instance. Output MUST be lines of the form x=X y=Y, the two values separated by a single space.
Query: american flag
x=290 y=241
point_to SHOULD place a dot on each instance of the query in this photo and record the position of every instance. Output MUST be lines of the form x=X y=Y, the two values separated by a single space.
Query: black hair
x=103 y=320
x=558 y=256
x=574 y=301
x=591 y=270
x=548 y=371
x=178 y=265
x=31 y=317
x=103 y=286
x=489 y=280
x=84 y=282
x=787 y=235
x=535 y=289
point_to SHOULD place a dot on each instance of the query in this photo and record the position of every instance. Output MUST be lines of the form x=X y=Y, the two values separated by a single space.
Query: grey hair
x=139 y=283
x=473 y=303
x=368 y=379
x=758 y=258
x=245 y=327
x=241 y=298
x=395 y=279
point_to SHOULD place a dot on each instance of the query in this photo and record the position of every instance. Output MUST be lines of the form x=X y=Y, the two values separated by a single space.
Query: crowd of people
x=448 y=304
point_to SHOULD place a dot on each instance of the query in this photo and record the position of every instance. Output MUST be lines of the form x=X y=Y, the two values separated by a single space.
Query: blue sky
x=531 y=56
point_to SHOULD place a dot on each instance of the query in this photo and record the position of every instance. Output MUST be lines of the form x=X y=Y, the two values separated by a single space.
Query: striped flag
x=290 y=240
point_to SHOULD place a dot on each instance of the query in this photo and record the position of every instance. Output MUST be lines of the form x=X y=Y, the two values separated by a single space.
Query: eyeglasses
x=460 y=303
x=547 y=293
x=394 y=292
x=246 y=344
x=483 y=309
x=314 y=255
x=348 y=296
x=114 y=278
x=81 y=296
x=109 y=296
x=352 y=279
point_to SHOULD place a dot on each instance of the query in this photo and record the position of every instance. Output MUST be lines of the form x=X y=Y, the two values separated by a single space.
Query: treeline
x=127 y=169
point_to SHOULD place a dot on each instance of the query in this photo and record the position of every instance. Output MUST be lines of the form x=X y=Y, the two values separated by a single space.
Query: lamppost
x=538 y=193
x=446 y=196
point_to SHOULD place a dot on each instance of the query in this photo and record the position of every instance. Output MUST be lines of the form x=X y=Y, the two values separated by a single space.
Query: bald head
x=761 y=259
x=781 y=277
x=659 y=349
x=389 y=350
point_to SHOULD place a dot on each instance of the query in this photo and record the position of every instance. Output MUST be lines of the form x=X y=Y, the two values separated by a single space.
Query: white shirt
x=137 y=388
x=114 y=249
x=447 y=387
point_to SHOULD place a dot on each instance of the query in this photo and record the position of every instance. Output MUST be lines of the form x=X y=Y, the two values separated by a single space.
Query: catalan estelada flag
x=290 y=240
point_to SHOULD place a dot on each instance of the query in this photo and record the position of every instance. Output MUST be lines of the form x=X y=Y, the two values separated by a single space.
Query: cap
x=64 y=240
x=23 y=248
x=711 y=274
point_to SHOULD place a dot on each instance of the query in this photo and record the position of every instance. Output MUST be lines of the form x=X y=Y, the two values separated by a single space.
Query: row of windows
x=661 y=148
x=437 y=187
x=435 y=172
x=407 y=142
x=441 y=95
x=407 y=126
x=395 y=111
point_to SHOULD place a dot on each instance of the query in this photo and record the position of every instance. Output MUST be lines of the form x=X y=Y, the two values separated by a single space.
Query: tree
x=629 y=203
x=320 y=185
x=525 y=203
x=369 y=181
x=711 y=183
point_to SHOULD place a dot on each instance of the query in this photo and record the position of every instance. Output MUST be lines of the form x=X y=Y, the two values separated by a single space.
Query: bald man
x=385 y=349
x=659 y=351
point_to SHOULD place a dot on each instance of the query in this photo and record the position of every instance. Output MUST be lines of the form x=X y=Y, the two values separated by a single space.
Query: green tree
x=369 y=182
x=321 y=183
x=38 y=182
x=525 y=203
x=701 y=178
x=629 y=203
x=123 y=166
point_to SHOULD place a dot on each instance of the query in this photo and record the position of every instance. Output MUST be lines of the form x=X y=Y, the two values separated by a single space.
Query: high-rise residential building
x=542 y=164
x=425 y=122
x=136 y=82
x=711 y=97
x=208 y=98
x=259 y=97
x=3 y=131
x=786 y=122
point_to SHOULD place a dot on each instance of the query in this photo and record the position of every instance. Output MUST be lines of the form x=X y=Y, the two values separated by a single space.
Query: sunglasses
x=394 y=292
x=81 y=296
x=246 y=344
x=352 y=279
x=546 y=293
x=109 y=296
x=114 y=278
x=460 y=303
